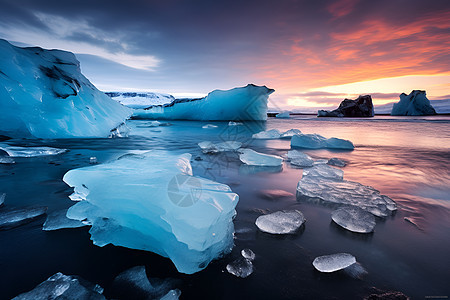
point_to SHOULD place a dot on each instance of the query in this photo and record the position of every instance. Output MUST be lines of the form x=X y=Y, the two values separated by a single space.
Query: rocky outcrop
x=360 y=107
x=414 y=104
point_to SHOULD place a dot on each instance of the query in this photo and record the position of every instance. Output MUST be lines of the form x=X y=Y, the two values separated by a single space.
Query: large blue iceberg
x=44 y=95
x=152 y=202
x=414 y=104
x=243 y=103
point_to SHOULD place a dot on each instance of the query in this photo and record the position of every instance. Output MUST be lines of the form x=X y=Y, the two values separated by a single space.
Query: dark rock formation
x=361 y=107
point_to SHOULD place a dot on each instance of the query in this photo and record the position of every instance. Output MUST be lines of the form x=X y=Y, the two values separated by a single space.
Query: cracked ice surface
x=152 y=202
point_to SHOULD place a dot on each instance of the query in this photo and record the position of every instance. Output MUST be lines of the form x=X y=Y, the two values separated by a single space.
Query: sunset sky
x=313 y=53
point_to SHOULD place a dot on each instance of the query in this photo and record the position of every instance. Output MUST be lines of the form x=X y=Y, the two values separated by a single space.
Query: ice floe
x=15 y=151
x=354 y=219
x=253 y=158
x=13 y=218
x=316 y=141
x=281 y=222
x=333 y=262
x=248 y=254
x=210 y=147
x=267 y=135
x=299 y=159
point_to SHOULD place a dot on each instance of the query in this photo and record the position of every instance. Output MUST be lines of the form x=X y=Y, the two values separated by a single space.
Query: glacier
x=44 y=95
x=151 y=201
x=241 y=103
x=316 y=141
x=414 y=104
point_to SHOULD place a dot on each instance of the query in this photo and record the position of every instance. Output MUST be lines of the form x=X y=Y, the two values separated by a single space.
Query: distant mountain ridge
x=140 y=99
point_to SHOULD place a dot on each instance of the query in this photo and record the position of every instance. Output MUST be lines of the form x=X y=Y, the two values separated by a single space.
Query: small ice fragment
x=316 y=141
x=248 y=254
x=283 y=115
x=232 y=123
x=281 y=222
x=154 y=124
x=120 y=131
x=93 y=160
x=324 y=171
x=407 y=219
x=14 y=151
x=335 y=143
x=60 y=286
x=210 y=147
x=207 y=126
x=58 y=220
x=6 y=160
x=253 y=158
x=333 y=262
x=336 y=162
x=300 y=159
x=290 y=133
x=267 y=135
x=241 y=267
x=14 y=218
x=354 y=219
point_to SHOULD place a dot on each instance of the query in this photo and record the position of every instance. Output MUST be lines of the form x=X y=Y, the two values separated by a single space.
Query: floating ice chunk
x=333 y=262
x=267 y=135
x=208 y=126
x=232 y=123
x=93 y=160
x=58 y=220
x=119 y=132
x=60 y=286
x=290 y=133
x=414 y=104
x=6 y=160
x=316 y=141
x=14 y=151
x=13 y=218
x=253 y=158
x=354 y=219
x=325 y=184
x=242 y=103
x=134 y=284
x=2 y=198
x=336 y=162
x=248 y=254
x=325 y=171
x=44 y=95
x=152 y=202
x=281 y=222
x=300 y=159
x=210 y=147
x=241 y=267
x=172 y=295
x=283 y=115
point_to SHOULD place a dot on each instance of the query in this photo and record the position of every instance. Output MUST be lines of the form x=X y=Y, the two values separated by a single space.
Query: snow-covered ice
x=44 y=95
x=267 y=135
x=253 y=158
x=354 y=219
x=15 y=151
x=242 y=103
x=13 y=218
x=188 y=221
x=210 y=147
x=316 y=141
x=336 y=162
x=299 y=159
x=327 y=184
x=248 y=254
x=241 y=267
x=58 y=220
x=333 y=262
x=60 y=286
x=134 y=284
x=281 y=222
x=140 y=99
x=414 y=104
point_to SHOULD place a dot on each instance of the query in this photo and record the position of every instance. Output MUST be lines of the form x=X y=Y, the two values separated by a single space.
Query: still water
x=407 y=159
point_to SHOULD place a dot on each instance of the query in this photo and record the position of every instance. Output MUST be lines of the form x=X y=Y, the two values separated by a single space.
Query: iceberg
x=316 y=141
x=253 y=158
x=281 y=222
x=210 y=147
x=267 y=135
x=326 y=184
x=13 y=218
x=60 y=286
x=44 y=95
x=354 y=219
x=15 y=151
x=299 y=159
x=134 y=284
x=414 y=104
x=242 y=103
x=140 y=100
x=58 y=220
x=333 y=262
x=151 y=201
x=360 y=107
